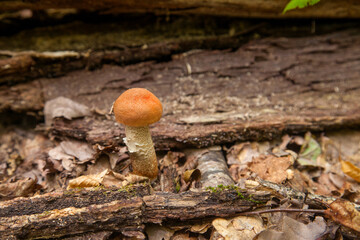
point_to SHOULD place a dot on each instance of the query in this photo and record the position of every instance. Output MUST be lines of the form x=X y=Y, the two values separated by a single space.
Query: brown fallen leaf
x=20 y=188
x=192 y=175
x=291 y=229
x=344 y=212
x=200 y=228
x=156 y=232
x=271 y=168
x=93 y=180
x=241 y=228
x=64 y=107
x=82 y=151
x=350 y=169
x=106 y=178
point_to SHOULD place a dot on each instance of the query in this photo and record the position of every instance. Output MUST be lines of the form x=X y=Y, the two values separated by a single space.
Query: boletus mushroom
x=137 y=108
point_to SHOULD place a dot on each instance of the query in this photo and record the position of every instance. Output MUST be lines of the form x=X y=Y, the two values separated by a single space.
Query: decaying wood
x=265 y=88
x=28 y=65
x=260 y=91
x=58 y=49
x=130 y=209
x=64 y=214
x=212 y=165
x=68 y=213
x=242 y=8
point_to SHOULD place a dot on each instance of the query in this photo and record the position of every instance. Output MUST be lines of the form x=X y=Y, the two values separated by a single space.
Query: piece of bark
x=242 y=8
x=265 y=88
x=260 y=91
x=56 y=215
x=57 y=51
x=130 y=209
x=212 y=165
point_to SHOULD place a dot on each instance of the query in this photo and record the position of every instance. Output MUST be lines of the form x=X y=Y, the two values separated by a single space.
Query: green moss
x=221 y=188
x=44 y=214
x=119 y=33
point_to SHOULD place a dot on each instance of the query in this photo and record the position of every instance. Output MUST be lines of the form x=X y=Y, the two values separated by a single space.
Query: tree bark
x=74 y=212
x=265 y=88
x=243 y=8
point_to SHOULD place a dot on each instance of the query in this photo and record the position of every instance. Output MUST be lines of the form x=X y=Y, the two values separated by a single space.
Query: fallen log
x=265 y=88
x=129 y=209
x=243 y=8
x=258 y=92
x=65 y=214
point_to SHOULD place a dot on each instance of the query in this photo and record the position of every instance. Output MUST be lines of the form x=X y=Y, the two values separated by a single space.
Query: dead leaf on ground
x=349 y=143
x=20 y=188
x=64 y=107
x=102 y=163
x=192 y=175
x=241 y=228
x=350 y=169
x=72 y=154
x=106 y=178
x=271 y=168
x=80 y=150
x=344 y=212
x=291 y=229
x=200 y=228
x=156 y=232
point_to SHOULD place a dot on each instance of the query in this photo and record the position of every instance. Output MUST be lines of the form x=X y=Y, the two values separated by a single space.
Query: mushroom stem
x=142 y=152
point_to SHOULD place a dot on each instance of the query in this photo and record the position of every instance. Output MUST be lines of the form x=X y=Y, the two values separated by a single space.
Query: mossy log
x=69 y=213
x=263 y=89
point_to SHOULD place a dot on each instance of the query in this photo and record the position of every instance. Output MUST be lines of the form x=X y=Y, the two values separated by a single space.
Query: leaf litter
x=324 y=165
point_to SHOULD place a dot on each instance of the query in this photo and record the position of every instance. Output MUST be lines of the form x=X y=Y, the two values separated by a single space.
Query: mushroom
x=137 y=108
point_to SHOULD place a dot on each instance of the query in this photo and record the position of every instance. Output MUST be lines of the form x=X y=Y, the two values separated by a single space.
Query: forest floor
x=259 y=137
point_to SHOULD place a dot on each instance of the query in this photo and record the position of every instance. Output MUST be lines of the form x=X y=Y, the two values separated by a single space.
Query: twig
x=284 y=210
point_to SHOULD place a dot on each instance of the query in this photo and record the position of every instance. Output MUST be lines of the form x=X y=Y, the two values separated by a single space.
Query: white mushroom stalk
x=142 y=152
x=137 y=108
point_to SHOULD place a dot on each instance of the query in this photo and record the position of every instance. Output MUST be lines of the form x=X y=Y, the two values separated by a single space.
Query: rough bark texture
x=57 y=49
x=260 y=91
x=263 y=89
x=69 y=213
x=242 y=8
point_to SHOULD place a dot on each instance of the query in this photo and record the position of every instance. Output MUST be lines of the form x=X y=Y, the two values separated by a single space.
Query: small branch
x=284 y=210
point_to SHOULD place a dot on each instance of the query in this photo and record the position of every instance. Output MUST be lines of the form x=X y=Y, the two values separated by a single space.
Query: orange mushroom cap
x=137 y=107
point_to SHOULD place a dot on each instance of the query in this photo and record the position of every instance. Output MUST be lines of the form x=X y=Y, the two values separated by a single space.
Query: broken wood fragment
x=258 y=92
x=130 y=209
x=69 y=213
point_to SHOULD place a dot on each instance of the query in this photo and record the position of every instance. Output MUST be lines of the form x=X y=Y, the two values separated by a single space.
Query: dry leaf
x=240 y=228
x=87 y=181
x=64 y=107
x=200 y=228
x=192 y=175
x=102 y=163
x=271 y=168
x=81 y=150
x=351 y=170
x=344 y=212
x=291 y=229
x=58 y=154
x=156 y=232
x=106 y=178
x=242 y=153
x=20 y=188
